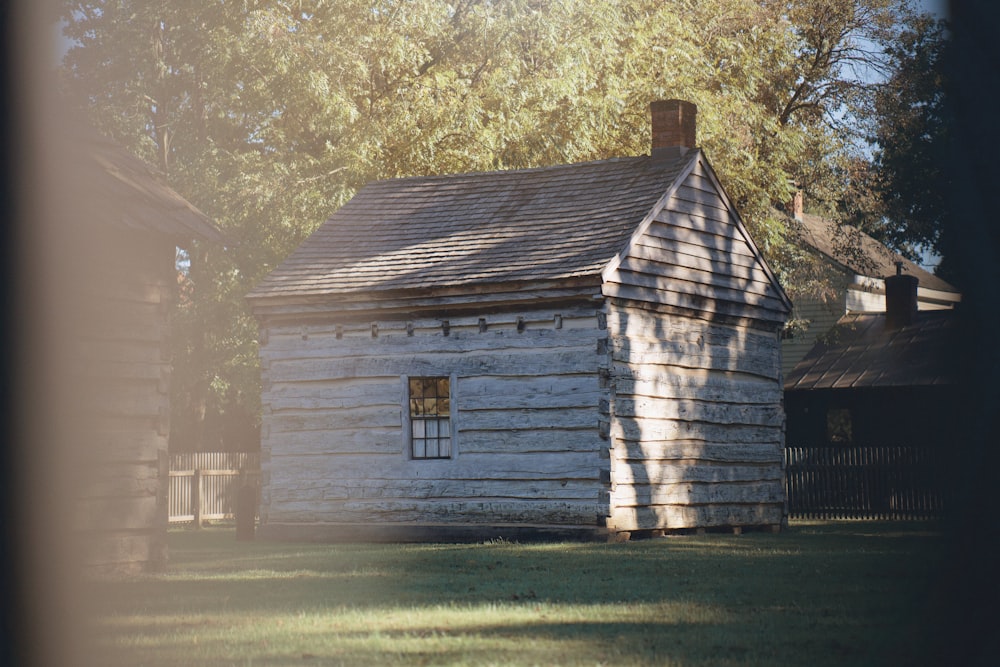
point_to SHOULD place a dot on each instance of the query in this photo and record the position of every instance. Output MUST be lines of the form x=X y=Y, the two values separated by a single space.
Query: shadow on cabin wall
x=714 y=460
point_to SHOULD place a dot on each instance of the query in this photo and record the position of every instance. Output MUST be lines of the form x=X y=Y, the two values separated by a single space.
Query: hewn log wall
x=525 y=406
x=121 y=512
x=697 y=423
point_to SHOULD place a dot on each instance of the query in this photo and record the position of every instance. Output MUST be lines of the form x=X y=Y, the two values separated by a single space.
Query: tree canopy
x=269 y=114
x=912 y=135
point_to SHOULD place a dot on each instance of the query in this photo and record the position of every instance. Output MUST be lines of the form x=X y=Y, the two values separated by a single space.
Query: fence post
x=196 y=497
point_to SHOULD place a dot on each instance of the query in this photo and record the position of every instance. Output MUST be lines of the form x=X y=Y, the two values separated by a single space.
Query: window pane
x=430 y=411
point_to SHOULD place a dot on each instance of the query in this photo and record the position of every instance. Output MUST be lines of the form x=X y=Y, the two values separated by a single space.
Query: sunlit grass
x=842 y=594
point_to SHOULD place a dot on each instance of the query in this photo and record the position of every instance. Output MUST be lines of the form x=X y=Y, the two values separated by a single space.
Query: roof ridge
x=520 y=170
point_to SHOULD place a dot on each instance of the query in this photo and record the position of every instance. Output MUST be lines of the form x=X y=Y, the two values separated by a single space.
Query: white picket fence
x=204 y=485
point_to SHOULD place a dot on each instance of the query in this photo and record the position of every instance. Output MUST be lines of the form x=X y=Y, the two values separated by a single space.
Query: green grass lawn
x=817 y=594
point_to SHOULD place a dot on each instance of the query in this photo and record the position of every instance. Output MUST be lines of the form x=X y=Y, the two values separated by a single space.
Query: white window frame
x=410 y=423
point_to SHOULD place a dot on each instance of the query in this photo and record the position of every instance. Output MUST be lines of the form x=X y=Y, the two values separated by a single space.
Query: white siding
x=818 y=317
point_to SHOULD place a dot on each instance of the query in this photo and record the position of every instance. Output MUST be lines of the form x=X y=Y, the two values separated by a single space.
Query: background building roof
x=859 y=252
x=862 y=352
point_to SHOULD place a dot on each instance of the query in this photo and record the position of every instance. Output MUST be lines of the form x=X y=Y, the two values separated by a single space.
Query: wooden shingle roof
x=533 y=225
x=862 y=352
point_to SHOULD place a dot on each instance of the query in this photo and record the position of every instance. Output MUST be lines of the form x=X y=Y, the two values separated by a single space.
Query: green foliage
x=269 y=114
x=912 y=130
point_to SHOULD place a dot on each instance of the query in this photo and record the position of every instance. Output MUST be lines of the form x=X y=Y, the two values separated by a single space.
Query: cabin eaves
x=127 y=194
x=547 y=224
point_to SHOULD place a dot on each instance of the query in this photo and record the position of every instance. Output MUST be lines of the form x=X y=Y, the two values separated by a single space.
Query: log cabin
x=872 y=426
x=880 y=378
x=590 y=349
x=120 y=279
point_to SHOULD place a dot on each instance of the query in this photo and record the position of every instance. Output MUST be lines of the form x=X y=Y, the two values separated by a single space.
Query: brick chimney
x=795 y=207
x=900 y=299
x=674 y=125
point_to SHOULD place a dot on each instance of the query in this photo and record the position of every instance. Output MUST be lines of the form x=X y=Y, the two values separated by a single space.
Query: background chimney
x=795 y=207
x=900 y=299
x=674 y=124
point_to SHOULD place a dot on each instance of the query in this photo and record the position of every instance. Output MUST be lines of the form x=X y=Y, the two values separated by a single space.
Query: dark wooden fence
x=859 y=482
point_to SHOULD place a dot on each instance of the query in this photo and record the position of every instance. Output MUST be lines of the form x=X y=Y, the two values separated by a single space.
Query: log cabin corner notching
x=585 y=348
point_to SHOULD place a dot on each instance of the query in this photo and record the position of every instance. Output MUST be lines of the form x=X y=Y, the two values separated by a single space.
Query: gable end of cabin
x=696 y=418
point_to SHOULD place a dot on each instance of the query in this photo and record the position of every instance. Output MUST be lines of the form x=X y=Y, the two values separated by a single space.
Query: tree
x=269 y=114
x=912 y=135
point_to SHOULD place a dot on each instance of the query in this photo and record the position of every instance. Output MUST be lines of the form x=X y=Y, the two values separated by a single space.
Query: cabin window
x=430 y=417
x=839 y=427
